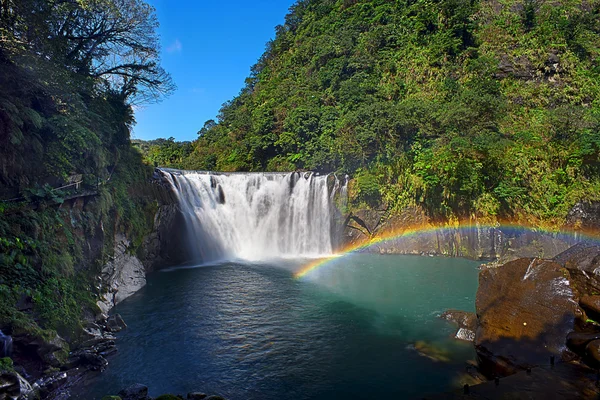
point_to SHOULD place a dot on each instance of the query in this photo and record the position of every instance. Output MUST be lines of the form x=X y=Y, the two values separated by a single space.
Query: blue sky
x=208 y=48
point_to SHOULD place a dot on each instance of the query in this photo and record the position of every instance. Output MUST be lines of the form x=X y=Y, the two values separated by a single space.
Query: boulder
x=592 y=352
x=466 y=322
x=50 y=383
x=94 y=360
x=577 y=341
x=14 y=386
x=591 y=304
x=134 y=392
x=583 y=263
x=525 y=308
x=115 y=323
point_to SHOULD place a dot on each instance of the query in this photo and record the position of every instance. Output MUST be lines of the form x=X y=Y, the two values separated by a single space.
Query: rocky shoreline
x=537 y=315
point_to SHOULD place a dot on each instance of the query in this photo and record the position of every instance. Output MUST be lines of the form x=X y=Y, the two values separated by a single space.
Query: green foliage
x=66 y=92
x=6 y=364
x=462 y=107
x=165 y=152
x=367 y=187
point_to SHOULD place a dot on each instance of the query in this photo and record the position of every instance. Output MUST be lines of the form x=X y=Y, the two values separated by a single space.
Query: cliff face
x=125 y=272
x=109 y=263
x=476 y=239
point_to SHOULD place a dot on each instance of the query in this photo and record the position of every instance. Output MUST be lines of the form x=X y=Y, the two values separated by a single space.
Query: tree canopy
x=465 y=108
x=112 y=42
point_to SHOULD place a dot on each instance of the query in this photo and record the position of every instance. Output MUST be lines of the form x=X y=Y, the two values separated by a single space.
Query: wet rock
x=577 y=341
x=115 y=323
x=134 y=392
x=214 y=397
x=592 y=351
x=583 y=263
x=95 y=361
x=472 y=241
x=50 y=383
x=432 y=351
x=591 y=304
x=466 y=322
x=166 y=244
x=196 y=396
x=14 y=386
x=526 y=308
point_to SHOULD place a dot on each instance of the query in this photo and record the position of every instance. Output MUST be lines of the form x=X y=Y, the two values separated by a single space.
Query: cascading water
x=5 y=345
x=256 y=216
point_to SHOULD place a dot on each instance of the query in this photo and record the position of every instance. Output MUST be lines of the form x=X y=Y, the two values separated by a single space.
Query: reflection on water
x=362 y=326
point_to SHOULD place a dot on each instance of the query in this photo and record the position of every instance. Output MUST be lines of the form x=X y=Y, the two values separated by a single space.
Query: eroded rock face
x=583 y=263
x=121 y=277
x=585 y=215
x=525 y=310
x=165 y=245
x=14 y=386
x=591 y=304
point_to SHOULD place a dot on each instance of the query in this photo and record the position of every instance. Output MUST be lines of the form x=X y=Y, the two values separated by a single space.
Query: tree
x=208 y=125
x=113 y=42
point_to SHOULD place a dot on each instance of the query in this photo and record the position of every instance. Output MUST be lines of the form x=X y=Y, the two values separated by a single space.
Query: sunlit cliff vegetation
x=484 y=108
x=70 y=72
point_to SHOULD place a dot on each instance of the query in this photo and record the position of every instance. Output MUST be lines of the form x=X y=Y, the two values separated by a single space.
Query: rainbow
x=567 y=234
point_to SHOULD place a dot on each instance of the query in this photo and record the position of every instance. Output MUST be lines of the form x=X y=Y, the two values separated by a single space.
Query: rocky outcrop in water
x=532 y=310
x=525 y=308
x=14 y=386
x=465 y=321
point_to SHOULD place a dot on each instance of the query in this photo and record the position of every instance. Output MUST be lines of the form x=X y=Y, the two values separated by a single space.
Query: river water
x=255 y=331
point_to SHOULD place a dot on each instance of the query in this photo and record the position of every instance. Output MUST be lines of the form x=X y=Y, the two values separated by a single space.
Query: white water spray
x=257 y=216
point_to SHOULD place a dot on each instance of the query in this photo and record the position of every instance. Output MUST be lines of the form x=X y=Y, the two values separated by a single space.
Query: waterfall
x=256 y=216
x=5 y=345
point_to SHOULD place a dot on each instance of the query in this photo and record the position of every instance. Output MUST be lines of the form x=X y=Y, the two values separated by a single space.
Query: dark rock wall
x=471 y=239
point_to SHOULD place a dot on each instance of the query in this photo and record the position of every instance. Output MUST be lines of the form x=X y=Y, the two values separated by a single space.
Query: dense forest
x=70 y=179
x=485 y=108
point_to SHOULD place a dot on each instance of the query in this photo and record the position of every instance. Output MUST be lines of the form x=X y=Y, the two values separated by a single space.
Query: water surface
x=254 y=331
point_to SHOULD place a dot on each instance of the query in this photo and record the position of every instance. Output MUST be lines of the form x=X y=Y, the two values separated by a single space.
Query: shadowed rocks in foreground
x=564 y=381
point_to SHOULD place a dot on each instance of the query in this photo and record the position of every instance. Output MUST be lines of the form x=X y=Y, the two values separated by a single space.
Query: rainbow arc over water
x=570 y=236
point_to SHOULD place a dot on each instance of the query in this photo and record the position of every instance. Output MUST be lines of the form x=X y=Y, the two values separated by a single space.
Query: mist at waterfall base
x=254 y=331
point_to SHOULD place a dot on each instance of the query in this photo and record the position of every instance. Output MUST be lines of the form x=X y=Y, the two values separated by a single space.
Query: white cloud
x=175 y=47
